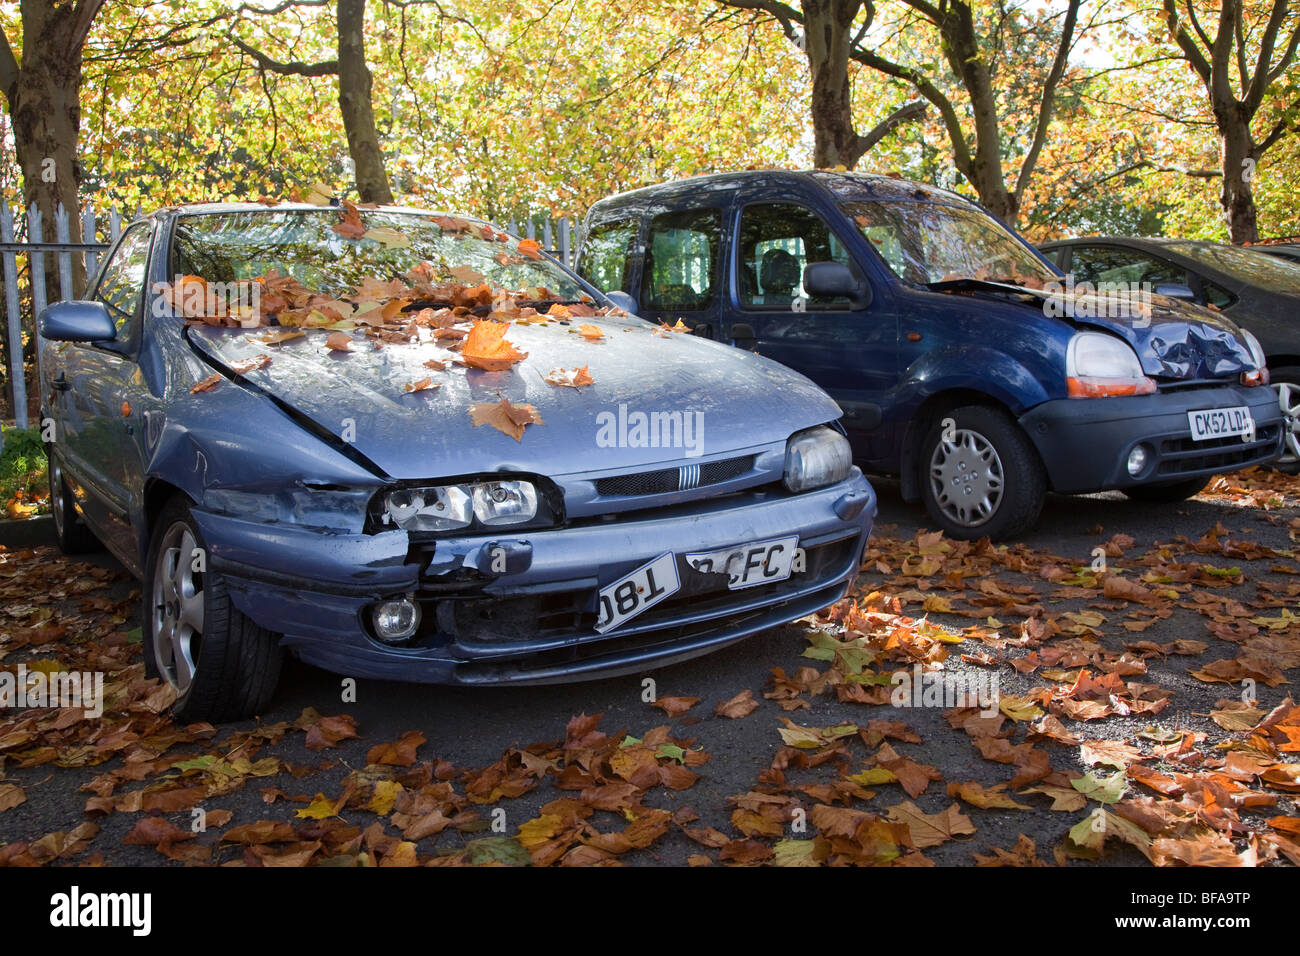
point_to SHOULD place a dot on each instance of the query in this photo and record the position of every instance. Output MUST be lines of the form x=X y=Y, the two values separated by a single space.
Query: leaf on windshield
x=570 y=378
x=504 y=417
x=350 y=225
x=279 y=336
x=208 y=384
x=436 y=365
x=339 y=342
x=423 y=385
x=250 y=364
x=530 y=248
x=387 y=236
x=318 y=194
x=486 y=348
x=467 y=275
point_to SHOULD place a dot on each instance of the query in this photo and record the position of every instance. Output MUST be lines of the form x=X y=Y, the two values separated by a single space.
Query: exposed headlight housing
x=452 y=507
x=1098 y=365
x=816 y=457
x=332 y=509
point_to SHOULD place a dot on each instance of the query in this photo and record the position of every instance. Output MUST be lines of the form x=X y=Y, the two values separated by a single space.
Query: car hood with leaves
x=734 y=399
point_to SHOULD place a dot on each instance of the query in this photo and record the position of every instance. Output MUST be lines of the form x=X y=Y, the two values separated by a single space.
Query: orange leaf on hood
x=486 y=347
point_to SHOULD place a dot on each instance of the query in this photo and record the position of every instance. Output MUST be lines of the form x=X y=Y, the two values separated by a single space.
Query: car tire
x=1286 y=383
x=71 y=533
x=233 y=671
x=1166 y=494
x=992 y=464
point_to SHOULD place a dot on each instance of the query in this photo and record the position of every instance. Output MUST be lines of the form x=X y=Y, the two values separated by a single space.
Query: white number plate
x=636 y=592
x=747 y=565
x=1220 y=423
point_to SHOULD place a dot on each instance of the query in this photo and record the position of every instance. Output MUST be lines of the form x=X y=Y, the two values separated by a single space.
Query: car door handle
x=742 y=335
x=60 y=383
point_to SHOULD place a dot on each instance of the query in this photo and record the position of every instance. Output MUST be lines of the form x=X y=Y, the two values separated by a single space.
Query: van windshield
x=926 y=243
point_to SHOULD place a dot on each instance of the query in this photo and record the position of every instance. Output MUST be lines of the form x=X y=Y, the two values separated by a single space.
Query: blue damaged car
x=404 y=445
x=965 y=363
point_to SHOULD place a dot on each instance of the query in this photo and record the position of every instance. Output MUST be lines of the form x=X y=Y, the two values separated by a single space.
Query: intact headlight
x=1256 y=350
x=450 y=507
x=815 y=458
x=1098 y=365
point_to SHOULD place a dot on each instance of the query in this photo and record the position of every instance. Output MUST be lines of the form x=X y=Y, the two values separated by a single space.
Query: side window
x=1217 y=296
x=1110 y=264
x=605 y=253
x=777 y=240
x=681 y=261
x=121 y=285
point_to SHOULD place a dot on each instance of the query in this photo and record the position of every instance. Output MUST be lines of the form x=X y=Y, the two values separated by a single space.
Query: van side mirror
x=76 y=322
x=1175 y=290
x=835 y=280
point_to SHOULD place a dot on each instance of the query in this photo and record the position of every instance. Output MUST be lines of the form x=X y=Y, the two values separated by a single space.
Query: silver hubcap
x=177 y=607
x=1288 y=400
x=966 y=478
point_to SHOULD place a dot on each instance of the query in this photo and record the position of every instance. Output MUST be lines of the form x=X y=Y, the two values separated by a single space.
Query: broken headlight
x=451 y=507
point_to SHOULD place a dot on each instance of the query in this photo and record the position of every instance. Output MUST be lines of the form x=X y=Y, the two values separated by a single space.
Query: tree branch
x=1047 y=103
x=294 y=68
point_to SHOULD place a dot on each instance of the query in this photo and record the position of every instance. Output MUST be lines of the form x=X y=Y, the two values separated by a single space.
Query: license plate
x=636 y=592
x=1220 y=423
x=748 y=565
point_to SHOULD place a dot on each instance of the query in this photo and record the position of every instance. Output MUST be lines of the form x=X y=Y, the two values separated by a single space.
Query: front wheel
x=980 y=475
x=1166 y=494
x=1286 y=383
x=221 y=664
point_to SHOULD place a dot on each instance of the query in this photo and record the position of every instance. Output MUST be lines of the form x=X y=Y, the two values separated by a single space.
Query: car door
x=850 y=352
x=104 y=398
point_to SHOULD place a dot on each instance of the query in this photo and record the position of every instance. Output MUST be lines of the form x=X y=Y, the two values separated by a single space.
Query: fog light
x=1137 y=460
x=395 y=620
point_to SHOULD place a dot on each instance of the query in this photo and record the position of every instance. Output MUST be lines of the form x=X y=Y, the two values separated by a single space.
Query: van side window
x=605 y=253
x=777 y=240
x=681 y=261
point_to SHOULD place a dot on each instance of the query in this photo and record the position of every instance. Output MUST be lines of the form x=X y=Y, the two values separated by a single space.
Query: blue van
x=964 y=362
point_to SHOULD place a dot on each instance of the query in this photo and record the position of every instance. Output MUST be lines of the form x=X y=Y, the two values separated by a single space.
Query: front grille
x=1183 y=455
x=526 y=624
x=667 y=480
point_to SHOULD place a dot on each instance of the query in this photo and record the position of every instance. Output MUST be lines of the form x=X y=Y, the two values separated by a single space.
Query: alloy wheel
x=177 y=607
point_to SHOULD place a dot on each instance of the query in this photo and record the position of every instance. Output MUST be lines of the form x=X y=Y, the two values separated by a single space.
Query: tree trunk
x=1238 y=196
x=355 y=104
x=962 y=48
x=46 y=113
x=828 y=26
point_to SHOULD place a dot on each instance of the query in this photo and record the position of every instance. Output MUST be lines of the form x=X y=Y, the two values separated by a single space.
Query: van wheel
x=981 y=476
x=1286 y=383
x=72 y=534
x=221 y=664
x=1166 y=494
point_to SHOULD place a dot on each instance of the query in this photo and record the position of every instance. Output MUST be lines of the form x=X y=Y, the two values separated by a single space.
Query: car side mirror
x=835 y=280
x=1175 y=290
x=622 y=300
x=76 y=322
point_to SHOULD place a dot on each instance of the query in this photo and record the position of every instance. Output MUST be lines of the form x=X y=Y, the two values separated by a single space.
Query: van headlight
x=815 y=458
x=1260 y=375
x=1098 y=365
x=451 y=507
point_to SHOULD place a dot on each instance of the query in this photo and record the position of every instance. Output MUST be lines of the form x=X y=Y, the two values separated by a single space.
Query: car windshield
x=346 y=252
x=1253 y=268
x=926 y=243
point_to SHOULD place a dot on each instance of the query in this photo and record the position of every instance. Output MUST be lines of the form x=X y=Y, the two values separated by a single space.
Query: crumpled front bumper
x=1085 y=442
x=533 y=621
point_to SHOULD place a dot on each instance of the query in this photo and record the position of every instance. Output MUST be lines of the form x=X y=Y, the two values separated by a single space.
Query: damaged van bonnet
x=404 y=445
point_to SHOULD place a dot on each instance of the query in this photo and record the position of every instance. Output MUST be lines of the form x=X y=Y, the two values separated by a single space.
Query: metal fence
x=24 y=271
